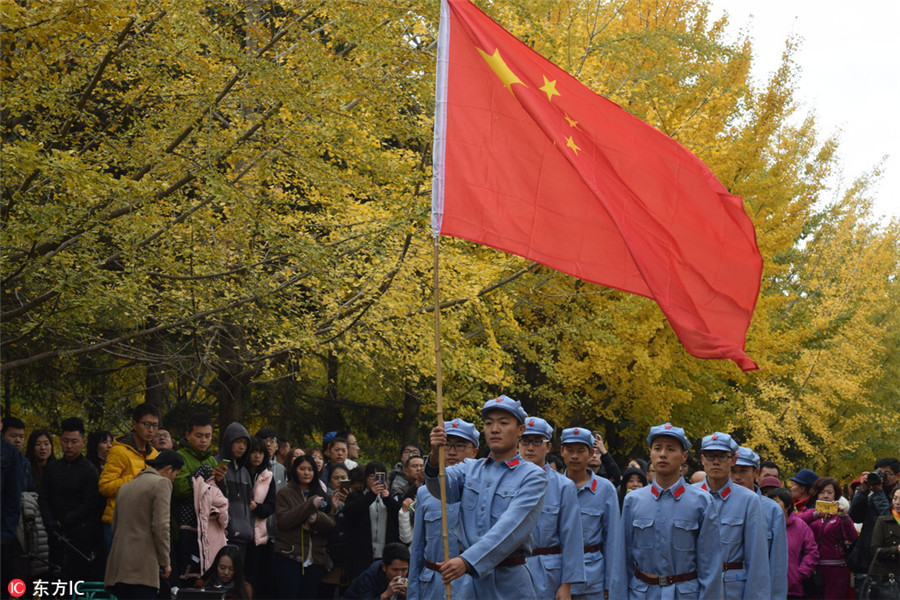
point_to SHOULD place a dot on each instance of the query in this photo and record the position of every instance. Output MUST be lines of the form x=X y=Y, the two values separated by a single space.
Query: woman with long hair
x=98 y=445
x=227 y=575
x=834 y=533
x=262 y=504
x=39 y=453
x=304 y=522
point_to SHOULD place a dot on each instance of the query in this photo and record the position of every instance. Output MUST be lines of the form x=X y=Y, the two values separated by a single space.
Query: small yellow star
x=498 y=65
x=572 y=122
x=571 y=144
x=549 y=88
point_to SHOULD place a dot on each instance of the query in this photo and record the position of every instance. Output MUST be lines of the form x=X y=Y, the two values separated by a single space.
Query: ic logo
x=17 y=588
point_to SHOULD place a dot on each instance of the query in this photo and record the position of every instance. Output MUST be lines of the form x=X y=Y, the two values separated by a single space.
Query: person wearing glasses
x=397 y=480
x=745 y=551
x=127 y=457
x=557 y=560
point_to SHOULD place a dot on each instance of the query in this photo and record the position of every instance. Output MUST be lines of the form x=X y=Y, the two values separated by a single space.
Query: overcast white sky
x=850 y=74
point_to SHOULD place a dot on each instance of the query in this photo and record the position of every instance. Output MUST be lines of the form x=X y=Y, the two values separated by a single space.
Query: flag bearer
x=600 y=522
x=672 y=543
x=427 y=544
x=557 y=559
x=500 y=500
x=744 y=473
x=745 y=553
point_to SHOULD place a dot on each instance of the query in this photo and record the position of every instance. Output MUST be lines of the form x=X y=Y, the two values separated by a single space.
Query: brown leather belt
x=594 y=548
x=732 y=566
x=546 y=551
x=432 y=566
x=512 y=561
x=664 y=580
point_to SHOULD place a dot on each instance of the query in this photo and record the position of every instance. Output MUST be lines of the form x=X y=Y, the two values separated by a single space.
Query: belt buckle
x=664 y=580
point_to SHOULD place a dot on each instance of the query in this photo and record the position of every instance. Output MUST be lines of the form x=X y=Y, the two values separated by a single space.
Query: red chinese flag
x=530 y=161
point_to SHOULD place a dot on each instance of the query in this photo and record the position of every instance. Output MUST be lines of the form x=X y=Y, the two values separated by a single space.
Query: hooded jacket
x=123 y=463
x=237 y=486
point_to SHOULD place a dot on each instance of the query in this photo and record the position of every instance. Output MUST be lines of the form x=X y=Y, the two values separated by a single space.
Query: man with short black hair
x=140 y=526
x=196 y=454
x=870 y=502
x=397 y=481
x=162 y=440
x=71 y=506
x=767 y=468
x=127 y=458
x=14 y=432
x=385 y=578
x=352 y=449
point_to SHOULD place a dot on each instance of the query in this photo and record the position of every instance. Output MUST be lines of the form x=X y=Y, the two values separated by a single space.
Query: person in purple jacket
x=832 y=532
x=803 y=552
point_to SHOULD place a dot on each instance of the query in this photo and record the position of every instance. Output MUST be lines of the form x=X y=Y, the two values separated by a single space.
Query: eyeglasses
x=149 y=424
x=716 y=456
x=532 y=441
x=457 y=447
x=413 y=452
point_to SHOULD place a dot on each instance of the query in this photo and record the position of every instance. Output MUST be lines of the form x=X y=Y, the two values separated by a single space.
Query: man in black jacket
x=72 y=506
x=869 y=503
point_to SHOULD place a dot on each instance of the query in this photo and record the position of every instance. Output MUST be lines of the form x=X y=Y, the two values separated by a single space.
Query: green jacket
x=193 y=458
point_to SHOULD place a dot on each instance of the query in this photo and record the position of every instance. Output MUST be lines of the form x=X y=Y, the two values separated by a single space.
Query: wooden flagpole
x=440 y=403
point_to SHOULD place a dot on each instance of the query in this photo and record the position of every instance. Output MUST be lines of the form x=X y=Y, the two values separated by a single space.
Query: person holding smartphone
x=371 y=519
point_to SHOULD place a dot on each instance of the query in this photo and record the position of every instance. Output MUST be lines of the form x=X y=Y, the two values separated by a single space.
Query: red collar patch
x=655 y=490
x=594 y=485
x=512 y=462
x=705 y=489
x=677 y=493
x=724 y=493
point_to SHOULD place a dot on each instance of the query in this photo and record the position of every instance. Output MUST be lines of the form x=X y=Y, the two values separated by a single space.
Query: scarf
x=896 y=515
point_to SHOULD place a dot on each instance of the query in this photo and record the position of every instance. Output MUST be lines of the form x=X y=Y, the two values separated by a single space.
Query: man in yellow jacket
x=126 y=459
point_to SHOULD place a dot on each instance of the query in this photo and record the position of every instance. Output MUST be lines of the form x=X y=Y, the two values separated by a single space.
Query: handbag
x=879 y=587
x=814 y=585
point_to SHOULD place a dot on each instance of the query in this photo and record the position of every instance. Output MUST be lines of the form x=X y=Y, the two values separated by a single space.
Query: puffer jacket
x=263 y=488
x=33 y=536
x=123 y=463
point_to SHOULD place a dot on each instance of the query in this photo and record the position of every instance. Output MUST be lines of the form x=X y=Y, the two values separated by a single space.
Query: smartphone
x=403 y=581
x=381 y=477
x=823 y=506
x=345 y=484
x=223 y=463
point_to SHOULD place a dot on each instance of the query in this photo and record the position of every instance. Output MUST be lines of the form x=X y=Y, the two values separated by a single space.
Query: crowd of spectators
x=158 y=512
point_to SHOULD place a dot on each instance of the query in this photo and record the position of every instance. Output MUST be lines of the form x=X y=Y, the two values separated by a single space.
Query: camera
x=875 y=478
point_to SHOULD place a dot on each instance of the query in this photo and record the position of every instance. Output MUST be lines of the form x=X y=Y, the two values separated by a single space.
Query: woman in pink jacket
x=834 y=533
x=262 y=504
x=803 y=552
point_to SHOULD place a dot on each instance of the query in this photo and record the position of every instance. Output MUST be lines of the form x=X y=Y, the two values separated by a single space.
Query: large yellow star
x=495 y=61
x=571 y=144
x=572 y=122
x=549 y=88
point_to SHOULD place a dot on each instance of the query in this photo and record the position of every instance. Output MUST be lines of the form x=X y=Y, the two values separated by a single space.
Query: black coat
x=359 y=529
x=69 y=496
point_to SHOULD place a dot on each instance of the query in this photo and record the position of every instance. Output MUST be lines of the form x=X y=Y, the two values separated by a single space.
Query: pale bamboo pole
x=440 y=403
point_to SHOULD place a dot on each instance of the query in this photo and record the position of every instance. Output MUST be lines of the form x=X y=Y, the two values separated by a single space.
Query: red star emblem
x=499 y=399
x=715 y=437
x=531 y=423
x=575 y=432
x=668 y=426
x=455 y=424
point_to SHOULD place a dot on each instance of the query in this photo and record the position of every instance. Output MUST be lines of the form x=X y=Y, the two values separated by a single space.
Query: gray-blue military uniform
x=601 y=528
x=558 y=553
x=673 y=548
x=500 y=503
x=745 y=552
x=427 y=547
x=776 y=534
